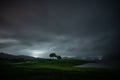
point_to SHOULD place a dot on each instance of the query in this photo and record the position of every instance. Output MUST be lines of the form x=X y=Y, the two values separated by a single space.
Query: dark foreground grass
x=53 y=70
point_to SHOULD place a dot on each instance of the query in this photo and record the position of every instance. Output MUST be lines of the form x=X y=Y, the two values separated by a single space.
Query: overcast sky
x=66 y=27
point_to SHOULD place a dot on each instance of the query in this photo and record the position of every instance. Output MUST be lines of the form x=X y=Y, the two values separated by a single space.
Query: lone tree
x=52 y=55
x=59 y=57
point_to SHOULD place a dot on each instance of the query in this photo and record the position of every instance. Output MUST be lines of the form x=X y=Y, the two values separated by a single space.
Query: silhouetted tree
x=52 y=55
x=59 y=57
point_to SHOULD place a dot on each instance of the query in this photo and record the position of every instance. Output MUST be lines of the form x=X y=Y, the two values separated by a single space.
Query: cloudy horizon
x=68 y=28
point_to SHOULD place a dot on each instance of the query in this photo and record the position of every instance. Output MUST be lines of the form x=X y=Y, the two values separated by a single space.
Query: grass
x=47 y=69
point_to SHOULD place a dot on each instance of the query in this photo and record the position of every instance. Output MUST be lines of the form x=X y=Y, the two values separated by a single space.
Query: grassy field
x=47 y=69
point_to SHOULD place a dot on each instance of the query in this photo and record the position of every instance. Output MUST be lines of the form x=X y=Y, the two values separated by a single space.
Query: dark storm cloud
x=69 y=28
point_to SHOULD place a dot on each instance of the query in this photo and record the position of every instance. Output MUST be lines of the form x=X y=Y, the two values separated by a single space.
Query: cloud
x=74 y=28
x=8 y=41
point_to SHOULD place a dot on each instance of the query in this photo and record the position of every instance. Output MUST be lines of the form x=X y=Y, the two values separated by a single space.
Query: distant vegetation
x=53 y=55
x=14 y=58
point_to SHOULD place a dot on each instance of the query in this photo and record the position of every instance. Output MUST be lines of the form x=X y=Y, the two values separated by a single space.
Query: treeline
x=14 y=58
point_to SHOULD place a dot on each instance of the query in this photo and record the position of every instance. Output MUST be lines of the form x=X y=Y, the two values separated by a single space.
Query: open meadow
x=48 y=69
